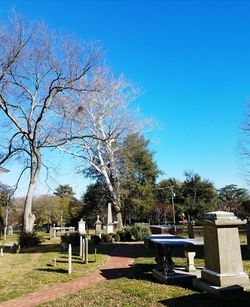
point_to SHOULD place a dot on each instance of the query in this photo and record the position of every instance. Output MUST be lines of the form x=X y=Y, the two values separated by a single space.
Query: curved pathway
x=119 y=261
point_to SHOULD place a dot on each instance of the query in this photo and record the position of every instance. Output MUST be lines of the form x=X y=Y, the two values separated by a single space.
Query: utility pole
x=172 y=200
x=172 y=197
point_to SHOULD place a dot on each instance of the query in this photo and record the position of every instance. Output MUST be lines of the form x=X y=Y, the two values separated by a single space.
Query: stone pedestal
x=223 y=261
x=248 y=234
x=110 y=228
x=98 y=227
x=190 y=261
x=81 y=227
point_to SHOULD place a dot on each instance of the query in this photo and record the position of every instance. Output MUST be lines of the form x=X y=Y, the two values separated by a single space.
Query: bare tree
x=107 y=115
x=39 y=72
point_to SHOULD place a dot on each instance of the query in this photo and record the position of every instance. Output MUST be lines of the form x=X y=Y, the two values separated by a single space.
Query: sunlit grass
x=34 y=268
x=139 y=288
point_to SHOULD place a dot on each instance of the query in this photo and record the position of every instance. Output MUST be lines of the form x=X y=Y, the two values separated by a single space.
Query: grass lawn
x=10 y=239
x=33 y=268
x=138 y=288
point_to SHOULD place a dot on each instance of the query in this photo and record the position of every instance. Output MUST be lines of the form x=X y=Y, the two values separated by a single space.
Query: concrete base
x=109 y=228
x=180 y=276
x=224 y=280
x=205 y=286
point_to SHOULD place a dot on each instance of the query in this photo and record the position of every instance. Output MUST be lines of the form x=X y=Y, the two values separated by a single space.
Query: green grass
x=129 y=293
x=139 y=288
x=9 y=239
x=33 y=268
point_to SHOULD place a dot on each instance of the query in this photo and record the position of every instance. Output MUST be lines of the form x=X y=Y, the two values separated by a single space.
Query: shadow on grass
x=144 y=272
x=78 y=260
x=53 y=270
x=208 y=300
x=245 y=252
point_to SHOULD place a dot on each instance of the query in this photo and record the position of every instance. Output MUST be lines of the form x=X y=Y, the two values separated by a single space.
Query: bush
x=29 y=239
x=125 y=236
x=71 y=238
x=96 y=239
x=116 y=236
x=106 y=238
x=138 y=231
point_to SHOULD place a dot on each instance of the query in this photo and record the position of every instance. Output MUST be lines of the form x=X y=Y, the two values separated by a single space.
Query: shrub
x=124 y=235
x=138 y=231
x=71 y=238
x=29 y=239
x=106 y=238
x=96 y=239
x=116 y=236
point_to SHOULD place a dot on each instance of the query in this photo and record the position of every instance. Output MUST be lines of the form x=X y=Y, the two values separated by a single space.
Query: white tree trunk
x=29 y=217
x=119 y=220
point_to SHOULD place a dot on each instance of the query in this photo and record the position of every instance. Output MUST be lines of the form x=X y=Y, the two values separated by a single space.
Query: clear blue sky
x=192 y=60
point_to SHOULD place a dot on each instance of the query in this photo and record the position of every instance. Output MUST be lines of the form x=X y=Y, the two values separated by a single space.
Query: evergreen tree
x=139 y=172
x=198 y=195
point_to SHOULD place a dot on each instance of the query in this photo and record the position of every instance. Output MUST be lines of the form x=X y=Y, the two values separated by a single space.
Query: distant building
x=3 y=170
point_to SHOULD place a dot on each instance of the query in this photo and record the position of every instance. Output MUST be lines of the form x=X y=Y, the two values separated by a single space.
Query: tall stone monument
x=110 y=225
x=223 y=261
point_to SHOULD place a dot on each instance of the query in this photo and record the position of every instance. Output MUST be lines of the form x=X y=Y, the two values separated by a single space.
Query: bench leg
x=190 y=261
x=165 y=261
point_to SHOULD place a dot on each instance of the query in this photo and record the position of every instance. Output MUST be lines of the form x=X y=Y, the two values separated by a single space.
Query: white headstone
x=98 y=227
x=81 y=227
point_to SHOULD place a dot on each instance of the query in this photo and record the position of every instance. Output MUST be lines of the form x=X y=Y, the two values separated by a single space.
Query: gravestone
x=81 y=227
x=10 y=230
x=110 y=225
x=222 y=253
x=98 y=227
x=248 y=234
x=82 y=232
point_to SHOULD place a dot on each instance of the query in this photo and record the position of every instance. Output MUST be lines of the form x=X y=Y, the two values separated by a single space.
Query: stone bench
x=164 y=245
x=62 y=230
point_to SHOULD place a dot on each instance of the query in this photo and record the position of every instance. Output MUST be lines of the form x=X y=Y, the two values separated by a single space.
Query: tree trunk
x=119 y=220
x=29 y=217
x=115 y=199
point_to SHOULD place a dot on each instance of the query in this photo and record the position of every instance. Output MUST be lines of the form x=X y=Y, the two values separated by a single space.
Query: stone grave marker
x=248 y=234
x=98 y=227
x=222 y=253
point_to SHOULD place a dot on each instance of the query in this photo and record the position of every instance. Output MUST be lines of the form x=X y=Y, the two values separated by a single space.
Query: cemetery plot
x=41 y=266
